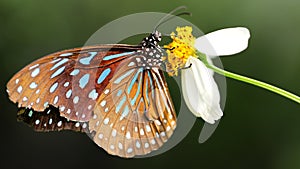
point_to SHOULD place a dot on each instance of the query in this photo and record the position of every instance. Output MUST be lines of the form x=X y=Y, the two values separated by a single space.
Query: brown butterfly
x=116 y=93
x=119 y=91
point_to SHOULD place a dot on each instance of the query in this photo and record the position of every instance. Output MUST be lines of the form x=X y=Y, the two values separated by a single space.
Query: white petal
x=227 y=41
x=200 y=91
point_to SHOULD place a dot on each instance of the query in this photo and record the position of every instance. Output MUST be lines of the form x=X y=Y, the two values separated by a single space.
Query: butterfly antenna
x=171 y=15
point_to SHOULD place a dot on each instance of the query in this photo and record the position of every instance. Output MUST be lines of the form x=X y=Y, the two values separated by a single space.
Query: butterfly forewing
x=134 y=114
x=49 y=120
x=71 y=80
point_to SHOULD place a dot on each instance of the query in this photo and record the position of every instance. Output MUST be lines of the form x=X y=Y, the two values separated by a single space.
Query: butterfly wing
x=130 y=104
x=49 y=120
x=71 y=79
x=135 y=115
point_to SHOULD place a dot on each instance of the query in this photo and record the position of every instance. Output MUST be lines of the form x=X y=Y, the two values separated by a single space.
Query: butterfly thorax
x=151 y=52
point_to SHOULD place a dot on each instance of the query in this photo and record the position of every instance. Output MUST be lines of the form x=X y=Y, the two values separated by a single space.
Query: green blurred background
x=259 y=129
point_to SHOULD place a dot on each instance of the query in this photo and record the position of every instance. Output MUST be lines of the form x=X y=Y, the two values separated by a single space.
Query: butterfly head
x=152 y=40
x=151 y=51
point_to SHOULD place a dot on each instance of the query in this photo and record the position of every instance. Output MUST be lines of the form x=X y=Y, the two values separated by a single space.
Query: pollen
x=179 y=50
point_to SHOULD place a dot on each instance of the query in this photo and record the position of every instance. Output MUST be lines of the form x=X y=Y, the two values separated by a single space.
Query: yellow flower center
x=179 y=50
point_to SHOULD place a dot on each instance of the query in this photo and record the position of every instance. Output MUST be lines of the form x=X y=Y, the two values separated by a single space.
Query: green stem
x=261 y=84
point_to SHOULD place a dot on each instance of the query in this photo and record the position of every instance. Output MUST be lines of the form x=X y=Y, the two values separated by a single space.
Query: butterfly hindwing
x=135 y=114
x=71 y=80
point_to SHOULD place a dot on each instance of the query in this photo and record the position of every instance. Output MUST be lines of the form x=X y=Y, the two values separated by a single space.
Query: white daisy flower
x=199 y=88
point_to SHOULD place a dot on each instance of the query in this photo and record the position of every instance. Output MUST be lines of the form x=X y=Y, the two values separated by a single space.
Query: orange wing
x=71 y=79
x=136 y=115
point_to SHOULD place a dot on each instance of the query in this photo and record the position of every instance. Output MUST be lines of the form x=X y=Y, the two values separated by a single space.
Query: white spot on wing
x=142 y=132
x=128 y=136
x=58 y=72
x=37 y=91
x=114 y=133
x=106 y=91
x=55 y=100
x=69 y=93
x=34 y=66
x=103 y=103
x=59 y=63
x=120 y=145
x=95 y=116
x=148 y=128
x=35 y=72
x=74 y=72
x=76 y=100
x=20 y=88
x=62 y=108
x=100 y=136
x=50 y=121
x=66 y=84
x=153 y=142
x=37 y=122
x=138 y=144
x=93 y=94
x=131 y=64
x=66 y=54
x=53 y=87
x=106 y=120
x=168 y=128
x=129 y=150
x=33 y=85
x=25 y=99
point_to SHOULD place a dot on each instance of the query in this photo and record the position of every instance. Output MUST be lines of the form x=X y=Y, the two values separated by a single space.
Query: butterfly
x=116 y=93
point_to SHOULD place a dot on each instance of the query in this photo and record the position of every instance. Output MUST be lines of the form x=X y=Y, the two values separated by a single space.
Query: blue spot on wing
x=109 y=57
x=147 y=97
x=87 y=60
x=74 y=72
x=84 y=81
x=103 y=75
x=133 y=80
x=58 y=72
x=59 y=63
x=123 y=76
x=120 y=104
x=126 y=111
x=119 y=92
